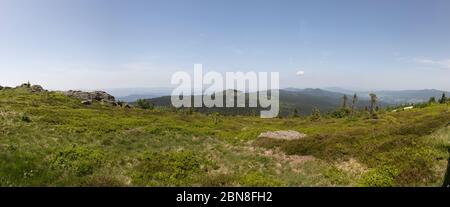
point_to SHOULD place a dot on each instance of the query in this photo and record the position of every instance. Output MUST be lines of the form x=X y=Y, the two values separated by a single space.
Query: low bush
x=218 y=180
x=25 y=118
x=79 y=160
x=341 y=113
x=380 y=177
x=144 y=104
x=168 y=168
x=257 y=179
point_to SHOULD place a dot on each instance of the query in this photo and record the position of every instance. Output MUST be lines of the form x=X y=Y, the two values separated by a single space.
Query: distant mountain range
x=133 y=94
x=304 y=100
x=396 y=97
x=387 y=96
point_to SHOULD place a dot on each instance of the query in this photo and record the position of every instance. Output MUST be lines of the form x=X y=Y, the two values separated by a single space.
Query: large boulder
x=103 y=96
x=86 y=102
x=286 y=135
x=36 y=88
x=78 y=94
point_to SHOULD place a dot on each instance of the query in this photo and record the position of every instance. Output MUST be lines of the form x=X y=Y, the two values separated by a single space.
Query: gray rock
x=103 y=96
x=287 y=135
x=78 y=94
x=100 y=96
x=86 y=102
x=106 y=102
x=36 y=88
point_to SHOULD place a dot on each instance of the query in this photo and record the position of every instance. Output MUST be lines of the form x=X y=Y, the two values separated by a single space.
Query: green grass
x=48 y=139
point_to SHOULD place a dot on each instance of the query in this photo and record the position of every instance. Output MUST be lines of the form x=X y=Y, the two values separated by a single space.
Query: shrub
x=257 y=179
x=102 y=181
x=144 y=104
x=79 y=160
x=341 y=113
x=167 y=168
x=24 y=117
x=315 y=115
x=218 y=180
x=337 y=176
x=380 y=177
x=432 y=100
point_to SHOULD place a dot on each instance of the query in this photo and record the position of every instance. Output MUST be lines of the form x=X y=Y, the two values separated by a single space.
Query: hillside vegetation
x=301 y=100
x=49 y=139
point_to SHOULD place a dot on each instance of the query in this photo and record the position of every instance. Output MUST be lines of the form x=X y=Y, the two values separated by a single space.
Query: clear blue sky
x=387 y=44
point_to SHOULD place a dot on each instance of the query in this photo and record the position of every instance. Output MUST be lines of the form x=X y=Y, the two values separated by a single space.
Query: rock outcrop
x=32 y=88
x=88 y=97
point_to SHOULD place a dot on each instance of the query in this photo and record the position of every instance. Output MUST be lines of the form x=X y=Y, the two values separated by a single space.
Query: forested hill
x=302 y=100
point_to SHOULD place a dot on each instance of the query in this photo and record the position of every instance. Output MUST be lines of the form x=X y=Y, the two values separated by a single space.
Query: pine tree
x=344 y=101
x=373 y=101
x=354 y=101
x=295 y=113
x=432 y=100
x=443 y=98
x=315 y=115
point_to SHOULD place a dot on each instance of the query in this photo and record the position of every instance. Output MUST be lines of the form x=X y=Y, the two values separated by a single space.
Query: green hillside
x=48 y=139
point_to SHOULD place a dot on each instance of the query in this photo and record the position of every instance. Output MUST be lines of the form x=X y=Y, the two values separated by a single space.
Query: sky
x=360 y=44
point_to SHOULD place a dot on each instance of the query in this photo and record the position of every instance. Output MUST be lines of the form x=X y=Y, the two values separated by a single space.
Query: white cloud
x=434 y=63
x=300 y=72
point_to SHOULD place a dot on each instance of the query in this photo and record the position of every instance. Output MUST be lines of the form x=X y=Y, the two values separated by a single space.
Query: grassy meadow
x=48 y=139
